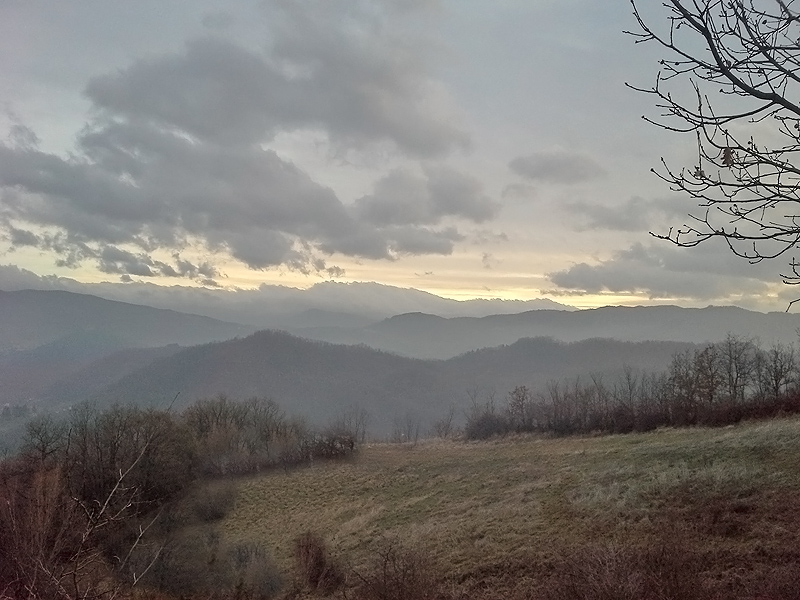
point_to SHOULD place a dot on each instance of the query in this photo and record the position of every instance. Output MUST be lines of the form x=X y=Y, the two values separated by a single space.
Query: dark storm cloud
x=665 y=271
x=557 y=167
x=174 y=154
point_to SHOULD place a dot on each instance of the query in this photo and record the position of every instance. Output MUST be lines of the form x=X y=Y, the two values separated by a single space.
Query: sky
x=466 y=148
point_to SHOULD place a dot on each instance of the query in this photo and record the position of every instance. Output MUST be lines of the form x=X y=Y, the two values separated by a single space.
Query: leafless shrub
x=52 y=541
x=397 y=573
x=406 y=429
x=484 y=421
x=314 y=566
x=444 y=428
x=213 y=500
x=255 y=576
x=198 y=564
x=663 y=571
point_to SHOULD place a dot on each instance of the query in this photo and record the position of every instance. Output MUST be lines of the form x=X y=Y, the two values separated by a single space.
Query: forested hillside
x=320 y=380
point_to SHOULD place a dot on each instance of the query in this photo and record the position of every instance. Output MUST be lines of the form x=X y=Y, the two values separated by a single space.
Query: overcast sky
x=462 y=147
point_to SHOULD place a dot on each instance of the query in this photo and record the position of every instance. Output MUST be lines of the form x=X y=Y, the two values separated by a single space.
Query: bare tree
x=709 y=368
x=406 y=429
x=445 y=427
x=776 y=370
x=50 y=538
x=683 y=387
x=352 y=421
x=519 y=408
x=45 y=438
x=731 y=76
x=738 y=365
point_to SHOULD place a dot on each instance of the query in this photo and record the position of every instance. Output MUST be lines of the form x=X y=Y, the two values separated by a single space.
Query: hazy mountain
x=59 y=348
x=319 y=380
x=327 y=303
x=89 y=379
x=26 y=374
x=45 y=336
x=31 y=318
x=428 y=336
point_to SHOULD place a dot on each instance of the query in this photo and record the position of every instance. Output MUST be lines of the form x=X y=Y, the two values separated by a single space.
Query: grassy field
x=501 y=518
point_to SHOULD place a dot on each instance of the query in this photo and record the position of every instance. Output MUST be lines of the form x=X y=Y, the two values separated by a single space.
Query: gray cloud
x=174 y=157
x=152 y=189
x=636 y=214
x=334 y=272
x=665 y=271
x=422 y=240
x=519 y=190
x=402 y=198
x=485 y=236
x=115 y=260
x=147 y=188
x=488 y=260
x=22 y=136
x=557 y=167
x=360 y=84
x=22 y=237
x=218 y=20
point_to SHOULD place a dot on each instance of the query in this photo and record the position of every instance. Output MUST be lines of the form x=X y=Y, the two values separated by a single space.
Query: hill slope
x=711 y=510
x=31 y=318
x=47 y=336
x=319 y=380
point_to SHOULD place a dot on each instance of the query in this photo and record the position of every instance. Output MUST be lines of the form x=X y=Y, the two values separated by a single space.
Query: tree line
x=719 y=384
x=106 y=500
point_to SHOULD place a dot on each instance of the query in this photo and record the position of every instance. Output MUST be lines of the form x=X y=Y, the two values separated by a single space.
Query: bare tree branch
x=740 y=62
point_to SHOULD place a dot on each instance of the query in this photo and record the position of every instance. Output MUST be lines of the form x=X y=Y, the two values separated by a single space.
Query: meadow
x=693 y=512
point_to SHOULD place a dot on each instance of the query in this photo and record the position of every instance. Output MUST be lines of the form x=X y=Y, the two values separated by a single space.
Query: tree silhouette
x=730 y=75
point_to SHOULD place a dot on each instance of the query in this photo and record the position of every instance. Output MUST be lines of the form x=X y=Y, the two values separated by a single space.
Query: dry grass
x=505 y=516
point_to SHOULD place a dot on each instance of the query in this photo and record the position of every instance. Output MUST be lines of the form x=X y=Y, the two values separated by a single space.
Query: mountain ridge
x=320 y=379
x=31 y=318
x=431 y=336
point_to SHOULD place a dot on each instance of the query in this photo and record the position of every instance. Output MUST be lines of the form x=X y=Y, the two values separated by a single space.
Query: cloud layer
x=557 y=167
x=177 y=156
x=660 y=270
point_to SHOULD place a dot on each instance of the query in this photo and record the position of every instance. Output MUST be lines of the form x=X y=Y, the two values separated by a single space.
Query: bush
x=664 y=571
x=398 y=573
x=213 y=500
x=314 y=567
x=483 y=422
x=40 y=526
x=255 y=576
x=197 y=564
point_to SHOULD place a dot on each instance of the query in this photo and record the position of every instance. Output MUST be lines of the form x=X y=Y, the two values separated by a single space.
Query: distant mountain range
x=59 y=348
x=327 y=303
x=429 y=336
x=47 y=336
x=31 y=318
x=319 y=380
